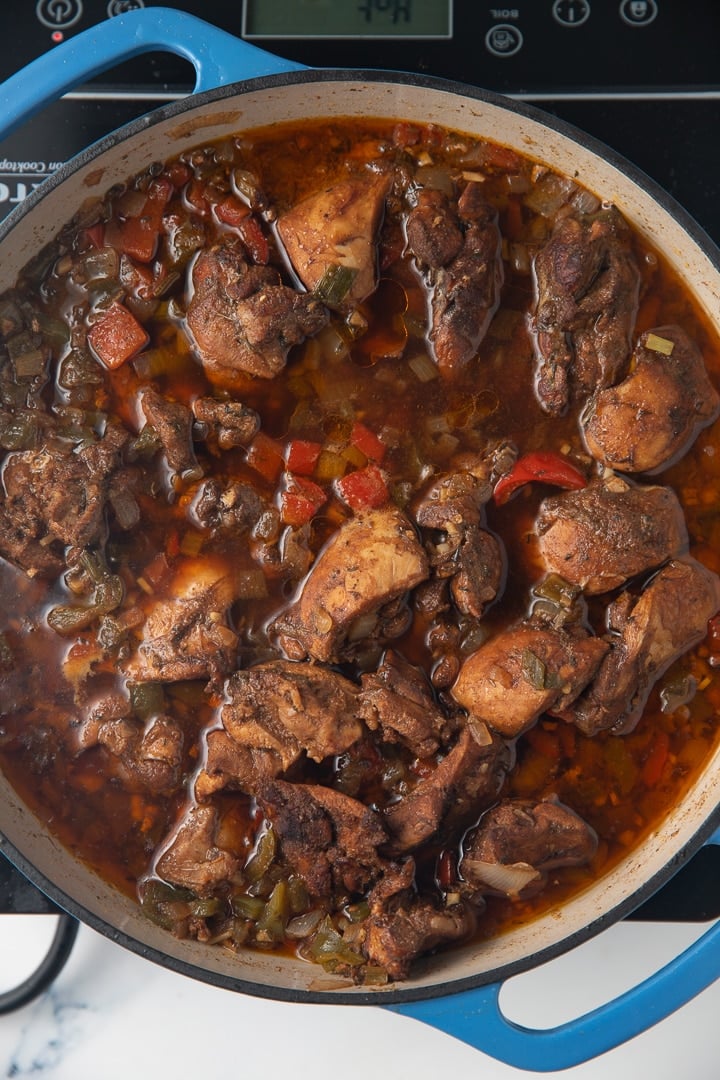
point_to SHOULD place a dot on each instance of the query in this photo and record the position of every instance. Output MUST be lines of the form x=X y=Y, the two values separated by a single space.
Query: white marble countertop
x=112 y=1014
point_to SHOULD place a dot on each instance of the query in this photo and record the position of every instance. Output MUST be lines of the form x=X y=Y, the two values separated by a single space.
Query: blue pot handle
x=218 y=58
x=475 y=1017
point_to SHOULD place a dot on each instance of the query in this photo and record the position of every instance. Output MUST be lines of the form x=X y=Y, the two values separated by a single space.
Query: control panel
x=531 y=47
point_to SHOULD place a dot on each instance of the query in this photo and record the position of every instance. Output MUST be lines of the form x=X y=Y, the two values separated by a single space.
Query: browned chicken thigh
x=603 y=534
x=667 y=619
x=645 y=421
x=587 y=297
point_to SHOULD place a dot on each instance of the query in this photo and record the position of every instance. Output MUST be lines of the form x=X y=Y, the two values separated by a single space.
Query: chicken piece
x=328 y=838
x=235 y=507
x=227 y=764
x=229 y=423
x=603 y=534
x=186 y=635
x=337 y=227
x=524 y=671
x=654 y=415
x=466 y=279
x=433 y=229
x=588 y=290
x=416 y=925
x=148 y=760
x=53 y=499
x=145 y=756
x=243 y=320
x=193 y=859
x=518 y=840
x=667 y=619
x=289 y=708
x=397 y=699
x=358 y=832
x=465 y=781
x=373 y=559
x=466 y=553
x=172 y=421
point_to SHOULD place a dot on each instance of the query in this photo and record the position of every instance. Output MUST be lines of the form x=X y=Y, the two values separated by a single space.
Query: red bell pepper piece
x=367 y=442
x=138 y=235
x=301 y=500
x=265 y=456
x=302 y=455
x=363 y=489
x=543 y=466
x=117 y=336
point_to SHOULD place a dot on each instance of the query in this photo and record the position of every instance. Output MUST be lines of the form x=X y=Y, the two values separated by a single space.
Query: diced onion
x=423 y=367
x=507 y=878
x=585 y=202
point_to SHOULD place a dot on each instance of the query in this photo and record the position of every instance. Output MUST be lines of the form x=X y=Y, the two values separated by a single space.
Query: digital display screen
x=347 y=18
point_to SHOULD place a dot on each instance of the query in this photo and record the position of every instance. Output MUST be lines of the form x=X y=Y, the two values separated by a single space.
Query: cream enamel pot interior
x=466 y=979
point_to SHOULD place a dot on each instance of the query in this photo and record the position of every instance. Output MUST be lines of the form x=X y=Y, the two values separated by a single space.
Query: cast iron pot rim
x=703 y=241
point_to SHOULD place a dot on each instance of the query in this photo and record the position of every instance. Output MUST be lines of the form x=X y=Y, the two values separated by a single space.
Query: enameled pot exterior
x=295 y=96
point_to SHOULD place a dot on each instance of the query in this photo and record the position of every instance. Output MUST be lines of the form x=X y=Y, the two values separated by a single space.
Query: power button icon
x=58 y=14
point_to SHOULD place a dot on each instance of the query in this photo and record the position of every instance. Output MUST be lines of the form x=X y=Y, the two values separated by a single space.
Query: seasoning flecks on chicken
x=186 y=633
x=433 y=229
x=398 y=700
x=613 y=529
x=172 y=422
x=149 y=758
x=644 y=422
x=144 y=755
x=519 y=840
x=524 y=671
x=227 y=764
x=411 y=926
x=290 y=708
x=337 y=228
x=242 y=318
x=226 y=423
x=466 y=780
x=466 y=276
x=193 y=859
x=373 y=558
x=466 y=553
x=328 y=838
x=55 y=497
x=667 y=619
x=235 y=506
x=587 y=298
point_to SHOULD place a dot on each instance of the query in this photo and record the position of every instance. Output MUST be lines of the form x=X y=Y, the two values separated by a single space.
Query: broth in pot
x=358 y=533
